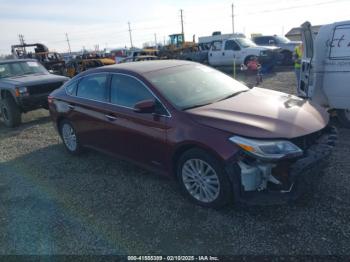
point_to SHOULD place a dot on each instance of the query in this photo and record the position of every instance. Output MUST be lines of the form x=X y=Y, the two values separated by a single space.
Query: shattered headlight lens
x=267 y=149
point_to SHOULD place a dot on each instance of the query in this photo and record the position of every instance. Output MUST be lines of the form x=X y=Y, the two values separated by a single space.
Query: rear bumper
x=301 y=174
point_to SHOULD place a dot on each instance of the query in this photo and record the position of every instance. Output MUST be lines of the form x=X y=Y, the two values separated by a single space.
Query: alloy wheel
x=69 y=137
x=200 y=180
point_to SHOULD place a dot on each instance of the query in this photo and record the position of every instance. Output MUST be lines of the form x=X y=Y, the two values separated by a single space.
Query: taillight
x=50 y=99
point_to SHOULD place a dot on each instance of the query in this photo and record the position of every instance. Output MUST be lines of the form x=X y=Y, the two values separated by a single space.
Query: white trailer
x=325 y=68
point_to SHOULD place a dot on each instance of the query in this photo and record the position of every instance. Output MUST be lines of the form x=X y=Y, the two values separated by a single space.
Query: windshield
x=192 y=86
x=282 y=39
x=245 y=42
x=21 y=68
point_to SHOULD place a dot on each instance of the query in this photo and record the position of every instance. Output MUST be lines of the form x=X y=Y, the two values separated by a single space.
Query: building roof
x=297 y=30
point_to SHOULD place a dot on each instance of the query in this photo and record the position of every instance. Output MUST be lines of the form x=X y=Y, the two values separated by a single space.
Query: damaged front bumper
x=281 y=181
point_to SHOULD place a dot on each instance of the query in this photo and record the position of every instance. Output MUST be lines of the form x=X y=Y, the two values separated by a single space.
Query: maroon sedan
x=221 y=140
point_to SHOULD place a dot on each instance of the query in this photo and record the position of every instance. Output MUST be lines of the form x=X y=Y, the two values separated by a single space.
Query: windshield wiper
x=231 y=95
x=199 y=105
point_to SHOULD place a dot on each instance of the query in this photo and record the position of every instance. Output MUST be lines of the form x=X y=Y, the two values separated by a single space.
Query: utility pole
x=21 y=41
x=233 y=19
x=70 y=51
x=130 y=36
x=155 y=40
x=182 y=24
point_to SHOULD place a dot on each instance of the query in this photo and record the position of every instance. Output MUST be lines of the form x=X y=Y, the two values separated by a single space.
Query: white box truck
x=325 y=68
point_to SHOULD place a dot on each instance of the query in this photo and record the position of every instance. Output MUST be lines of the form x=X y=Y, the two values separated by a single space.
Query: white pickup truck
x=325 y=68
x=239 y=50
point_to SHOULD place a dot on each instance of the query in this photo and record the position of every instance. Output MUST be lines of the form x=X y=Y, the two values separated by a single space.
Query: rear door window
x=217 y=45
x=262 y=40
x=93 y=87
x=231 y=45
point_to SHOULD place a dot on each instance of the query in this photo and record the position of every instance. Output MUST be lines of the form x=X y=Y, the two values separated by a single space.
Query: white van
x=325 y=68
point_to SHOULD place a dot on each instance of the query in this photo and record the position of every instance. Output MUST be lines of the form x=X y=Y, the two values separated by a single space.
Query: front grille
x=304 y=142
x=43 y=88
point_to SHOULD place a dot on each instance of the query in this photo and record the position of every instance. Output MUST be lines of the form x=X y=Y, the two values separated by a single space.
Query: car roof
x=142 y=67
x=16 y=60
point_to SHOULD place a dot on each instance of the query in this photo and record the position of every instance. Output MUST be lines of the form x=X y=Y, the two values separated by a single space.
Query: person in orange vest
x=297 y=56
x=254 y=66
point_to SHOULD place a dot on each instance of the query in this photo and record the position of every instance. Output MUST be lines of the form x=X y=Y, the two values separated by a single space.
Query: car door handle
x=211 y=54
x=71 y=107
x=111 y=118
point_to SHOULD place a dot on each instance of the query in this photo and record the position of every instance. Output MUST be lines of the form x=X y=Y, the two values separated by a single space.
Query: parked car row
x=220 y=140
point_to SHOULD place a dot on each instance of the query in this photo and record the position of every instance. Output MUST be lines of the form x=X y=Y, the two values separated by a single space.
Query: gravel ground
x=53 y=203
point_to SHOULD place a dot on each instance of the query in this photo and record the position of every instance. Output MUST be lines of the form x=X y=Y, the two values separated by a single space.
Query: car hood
x=260 y=48
x=262 y=113
x=28 y=80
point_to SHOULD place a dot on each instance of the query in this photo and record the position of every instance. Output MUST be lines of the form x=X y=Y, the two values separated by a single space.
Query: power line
x=291 y=7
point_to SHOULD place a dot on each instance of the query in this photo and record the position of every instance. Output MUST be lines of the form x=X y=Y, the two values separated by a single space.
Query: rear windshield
x=191 y=86
x=21 y=68
x=245 y=43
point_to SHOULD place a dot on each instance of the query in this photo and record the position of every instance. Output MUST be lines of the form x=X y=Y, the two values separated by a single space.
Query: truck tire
x=10 y=112
x=344 y=117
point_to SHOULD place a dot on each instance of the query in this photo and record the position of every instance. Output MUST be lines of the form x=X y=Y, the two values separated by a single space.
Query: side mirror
x=145 y=106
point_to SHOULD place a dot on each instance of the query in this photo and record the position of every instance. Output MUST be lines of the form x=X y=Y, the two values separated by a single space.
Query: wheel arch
x=58 y=123
x=181 y=149
x=246 y=59
x=5 y=93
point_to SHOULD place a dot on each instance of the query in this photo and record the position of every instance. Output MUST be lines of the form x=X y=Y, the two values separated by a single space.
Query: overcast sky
x=105 y=22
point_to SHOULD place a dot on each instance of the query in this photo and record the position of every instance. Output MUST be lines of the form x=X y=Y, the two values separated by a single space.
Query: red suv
x=220 y=139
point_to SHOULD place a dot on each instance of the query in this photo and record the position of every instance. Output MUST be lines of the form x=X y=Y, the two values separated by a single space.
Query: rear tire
x=344 y=117
x=70 y=138
x=203 y=179
x=10 y=112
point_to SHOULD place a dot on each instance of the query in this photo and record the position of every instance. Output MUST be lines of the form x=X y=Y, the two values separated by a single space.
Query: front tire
x=203 y=179
x=70 y=138
x=10 y=112
x=344 y=117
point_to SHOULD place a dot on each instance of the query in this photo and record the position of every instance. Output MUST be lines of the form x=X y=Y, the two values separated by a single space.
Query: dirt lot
x=52 y=203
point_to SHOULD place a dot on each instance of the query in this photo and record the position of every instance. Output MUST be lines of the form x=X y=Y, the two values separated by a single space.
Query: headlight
x=267 y=149
x=263 y=53
x=21 y=91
